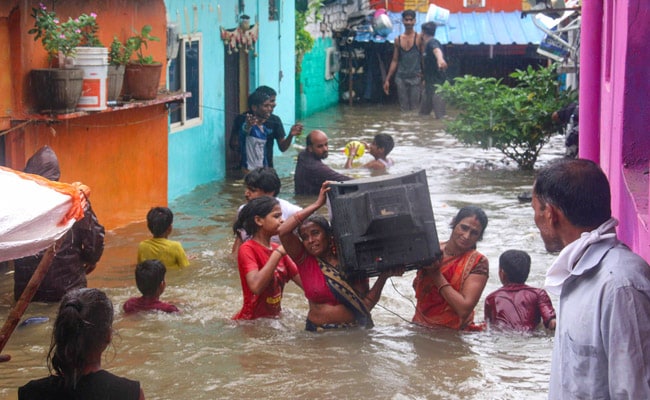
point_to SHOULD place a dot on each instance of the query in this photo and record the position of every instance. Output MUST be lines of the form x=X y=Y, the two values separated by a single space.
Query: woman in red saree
x=448 y=290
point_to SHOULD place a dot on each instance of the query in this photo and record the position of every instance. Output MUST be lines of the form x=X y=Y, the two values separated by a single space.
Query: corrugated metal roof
x=486 y=28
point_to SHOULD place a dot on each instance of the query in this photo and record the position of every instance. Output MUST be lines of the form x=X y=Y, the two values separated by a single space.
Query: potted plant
x=119 y=55
x=142 y=75
x=56 y=90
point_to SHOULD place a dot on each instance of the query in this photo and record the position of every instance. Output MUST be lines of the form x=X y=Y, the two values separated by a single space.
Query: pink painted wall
x=615 y=108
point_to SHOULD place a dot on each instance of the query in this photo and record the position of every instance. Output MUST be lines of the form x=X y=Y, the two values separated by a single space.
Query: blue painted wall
x=317 y=92
x=197 y=154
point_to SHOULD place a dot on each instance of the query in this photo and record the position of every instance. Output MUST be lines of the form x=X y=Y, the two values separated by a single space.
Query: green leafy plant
x=304 y=41
x=139 y=42
x=514 y=120
x=118 y=52
x=63 y=37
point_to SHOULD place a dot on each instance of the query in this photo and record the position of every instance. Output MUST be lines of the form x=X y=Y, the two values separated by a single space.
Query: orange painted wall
x=6 y=100
x=121 y=155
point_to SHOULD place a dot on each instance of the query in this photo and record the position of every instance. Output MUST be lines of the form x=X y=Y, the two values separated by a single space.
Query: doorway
x=236 y=84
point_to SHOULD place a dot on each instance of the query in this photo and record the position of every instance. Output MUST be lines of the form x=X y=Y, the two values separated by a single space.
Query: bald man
x=311 y=172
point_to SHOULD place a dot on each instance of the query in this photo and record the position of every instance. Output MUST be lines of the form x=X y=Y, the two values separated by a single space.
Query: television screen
x=383 y=222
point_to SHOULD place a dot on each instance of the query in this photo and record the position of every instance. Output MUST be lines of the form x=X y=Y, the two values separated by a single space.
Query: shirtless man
x=407 y=63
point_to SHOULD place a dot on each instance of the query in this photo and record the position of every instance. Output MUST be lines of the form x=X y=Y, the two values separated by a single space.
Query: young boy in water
x=381 y=146
x=263 y=182
x=150 y=279
x=171 y=253
x=517 y=306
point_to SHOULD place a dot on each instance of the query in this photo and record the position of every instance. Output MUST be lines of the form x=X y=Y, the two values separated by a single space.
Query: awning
x=485 y=28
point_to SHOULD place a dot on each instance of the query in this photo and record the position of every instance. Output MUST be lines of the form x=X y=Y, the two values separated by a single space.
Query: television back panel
x=383 y=222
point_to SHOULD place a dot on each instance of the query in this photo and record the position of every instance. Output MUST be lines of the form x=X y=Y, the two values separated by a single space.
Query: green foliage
x=304 y=41
x=63 y=37
x=118 y=53
x=140 y=41
x=515 y=120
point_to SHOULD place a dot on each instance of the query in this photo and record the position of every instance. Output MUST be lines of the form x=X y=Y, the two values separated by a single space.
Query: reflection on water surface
x=202 y=354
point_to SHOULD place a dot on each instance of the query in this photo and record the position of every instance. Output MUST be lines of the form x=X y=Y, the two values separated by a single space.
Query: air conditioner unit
x=332 y=62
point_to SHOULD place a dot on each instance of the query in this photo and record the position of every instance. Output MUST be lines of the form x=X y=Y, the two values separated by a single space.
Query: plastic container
x=438 y=15
x=383 y=222
x=94 y=62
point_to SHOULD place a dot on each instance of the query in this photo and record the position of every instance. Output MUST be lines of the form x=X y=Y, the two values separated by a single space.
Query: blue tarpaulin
x=485 y=28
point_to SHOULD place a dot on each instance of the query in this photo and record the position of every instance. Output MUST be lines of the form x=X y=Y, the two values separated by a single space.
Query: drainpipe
x=591 y=32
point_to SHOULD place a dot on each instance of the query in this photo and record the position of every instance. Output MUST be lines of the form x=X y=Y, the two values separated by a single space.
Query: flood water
x=202 y=354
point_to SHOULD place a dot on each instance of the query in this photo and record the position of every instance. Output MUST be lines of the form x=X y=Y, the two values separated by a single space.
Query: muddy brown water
x=202 y=354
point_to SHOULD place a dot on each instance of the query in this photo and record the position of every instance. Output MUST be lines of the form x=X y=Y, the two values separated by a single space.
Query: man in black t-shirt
x=434 y=71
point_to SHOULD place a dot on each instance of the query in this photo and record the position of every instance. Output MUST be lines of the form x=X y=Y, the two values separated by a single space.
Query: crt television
x=383 y=222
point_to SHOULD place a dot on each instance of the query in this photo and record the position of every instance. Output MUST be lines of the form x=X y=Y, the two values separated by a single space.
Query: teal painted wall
x=317 y=92
x=197 y=153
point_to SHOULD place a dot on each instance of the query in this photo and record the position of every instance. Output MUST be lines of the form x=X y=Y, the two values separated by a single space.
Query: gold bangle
x=442 y=287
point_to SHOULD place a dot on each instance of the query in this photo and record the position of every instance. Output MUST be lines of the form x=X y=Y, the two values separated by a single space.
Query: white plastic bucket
x=437 y=15
x=94 y=62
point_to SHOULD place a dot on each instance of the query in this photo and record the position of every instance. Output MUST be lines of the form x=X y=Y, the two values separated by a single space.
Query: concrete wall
x=121 y=155
x=615 y=108
x=316 y=93
x=197 y=154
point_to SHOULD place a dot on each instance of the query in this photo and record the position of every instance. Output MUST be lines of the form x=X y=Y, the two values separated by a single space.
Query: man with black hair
x=311 y=172
x=406 y=65
x=602 y=340
x=434 y=66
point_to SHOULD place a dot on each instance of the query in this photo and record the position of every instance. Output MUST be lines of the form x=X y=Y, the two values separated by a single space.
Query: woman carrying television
x=449 y=289
x=334 y=302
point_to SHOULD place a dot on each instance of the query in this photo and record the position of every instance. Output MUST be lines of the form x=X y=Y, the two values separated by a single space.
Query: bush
x=514 y=120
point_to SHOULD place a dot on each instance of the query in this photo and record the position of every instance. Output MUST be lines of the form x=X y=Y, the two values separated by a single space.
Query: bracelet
x=281 y=253
x=443 y=286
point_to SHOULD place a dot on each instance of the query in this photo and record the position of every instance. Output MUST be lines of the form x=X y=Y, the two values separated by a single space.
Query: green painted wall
x=313 y=92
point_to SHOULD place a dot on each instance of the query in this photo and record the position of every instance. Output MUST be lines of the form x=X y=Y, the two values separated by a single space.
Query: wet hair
x=159 y=219
x=321 y=221
x=515 y=264
x=384 y=141
x=471 y=211
x=149 y=274
x=264 y=178
x=408 y=13
x=82 y=328
x=257 y=98
x=579 y=188
x=429 y=28
x=258 y=207
x=269 y=91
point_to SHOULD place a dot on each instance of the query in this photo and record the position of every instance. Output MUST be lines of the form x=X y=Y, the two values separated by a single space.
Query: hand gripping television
x=383 y=222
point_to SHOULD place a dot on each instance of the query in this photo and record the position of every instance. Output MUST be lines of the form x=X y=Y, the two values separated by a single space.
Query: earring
x=332 y=246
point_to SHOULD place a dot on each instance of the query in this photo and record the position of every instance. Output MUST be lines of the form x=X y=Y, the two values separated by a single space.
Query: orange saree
x=431 y=308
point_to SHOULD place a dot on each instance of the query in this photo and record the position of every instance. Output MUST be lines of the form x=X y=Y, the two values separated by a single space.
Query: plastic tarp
x=34 y=212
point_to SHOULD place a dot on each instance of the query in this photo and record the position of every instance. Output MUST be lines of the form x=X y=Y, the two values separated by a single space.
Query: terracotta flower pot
x=56 y=90
x=142 y=80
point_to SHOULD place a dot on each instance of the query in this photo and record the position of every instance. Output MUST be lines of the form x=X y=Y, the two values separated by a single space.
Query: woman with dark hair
x=449 y=289
x=82 y=331
x=334 y=302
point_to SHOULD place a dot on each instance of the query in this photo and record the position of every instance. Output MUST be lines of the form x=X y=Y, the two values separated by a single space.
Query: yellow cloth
x=171 y=253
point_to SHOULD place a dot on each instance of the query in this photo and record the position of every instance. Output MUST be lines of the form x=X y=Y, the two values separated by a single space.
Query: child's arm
x=258 y=280
x=546 y=309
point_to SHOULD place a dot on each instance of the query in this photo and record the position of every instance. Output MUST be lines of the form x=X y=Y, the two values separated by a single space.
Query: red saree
x=431 y=308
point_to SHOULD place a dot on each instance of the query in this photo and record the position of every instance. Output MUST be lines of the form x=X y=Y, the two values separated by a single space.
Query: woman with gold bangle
x=448 y=290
